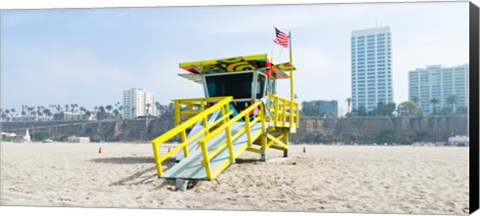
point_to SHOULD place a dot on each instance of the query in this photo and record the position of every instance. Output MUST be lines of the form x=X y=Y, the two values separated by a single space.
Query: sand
x=374 y=179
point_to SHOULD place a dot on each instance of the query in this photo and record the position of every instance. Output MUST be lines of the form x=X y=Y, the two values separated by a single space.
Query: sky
x=90 y=56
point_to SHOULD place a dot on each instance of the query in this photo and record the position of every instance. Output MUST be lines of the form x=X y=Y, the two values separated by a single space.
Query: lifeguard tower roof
x=234 y=64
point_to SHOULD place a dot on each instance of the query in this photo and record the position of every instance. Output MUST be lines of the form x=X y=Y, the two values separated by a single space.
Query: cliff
x=347 y=130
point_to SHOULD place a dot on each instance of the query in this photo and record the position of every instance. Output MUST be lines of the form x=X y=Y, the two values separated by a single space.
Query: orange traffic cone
x=100 y=150
x=304 y=149
x=168 y=150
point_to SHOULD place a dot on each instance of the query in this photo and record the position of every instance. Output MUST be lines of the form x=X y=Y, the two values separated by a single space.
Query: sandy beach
x=374 y=179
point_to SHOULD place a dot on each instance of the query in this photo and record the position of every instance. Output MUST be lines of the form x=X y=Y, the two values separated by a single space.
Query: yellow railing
x=284 y=112
x=207 y=156
x=191 y=107
x=221 y=103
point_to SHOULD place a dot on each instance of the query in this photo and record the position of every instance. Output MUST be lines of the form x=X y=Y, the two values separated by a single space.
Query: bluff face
x=365 y=129
x=346 y=130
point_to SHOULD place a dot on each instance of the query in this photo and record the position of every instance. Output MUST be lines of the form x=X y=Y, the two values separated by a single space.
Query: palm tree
x=349 y=100
x=31 y=111
x=39 y=113
x=101 y=111
x=121 y=111
x=452 y=100
x=115 y=112
x=3 y=115
x=88 y=114
x=7 y=113
x=47 y=112
x=158 y=106
x=133 y=113
x=148 y=109
x=23 y=113
x=415 y=100
x=109 y=108
x=83 y=110
x=13 y=112
x=434 y=101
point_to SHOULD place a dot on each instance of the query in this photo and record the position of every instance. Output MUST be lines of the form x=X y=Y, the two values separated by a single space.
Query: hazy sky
x=89 y=56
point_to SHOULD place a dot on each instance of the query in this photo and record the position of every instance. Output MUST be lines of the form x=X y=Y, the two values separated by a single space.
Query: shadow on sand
x=242 y=161
x=129 y=160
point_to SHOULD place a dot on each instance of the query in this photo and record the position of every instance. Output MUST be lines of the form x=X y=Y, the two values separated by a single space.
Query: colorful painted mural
x=236 y=64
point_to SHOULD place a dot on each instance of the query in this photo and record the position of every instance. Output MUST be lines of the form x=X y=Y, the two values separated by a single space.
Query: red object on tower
x=100 y=150
x=268 y=68
x=304 y=149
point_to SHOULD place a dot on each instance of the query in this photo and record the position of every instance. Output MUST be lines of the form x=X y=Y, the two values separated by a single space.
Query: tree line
x=54 y=112
x=116 y=111
x=408 y=108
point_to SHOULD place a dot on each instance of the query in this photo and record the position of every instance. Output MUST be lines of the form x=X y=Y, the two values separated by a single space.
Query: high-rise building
x=371 y=67
x=137 y=102
x=440 y=83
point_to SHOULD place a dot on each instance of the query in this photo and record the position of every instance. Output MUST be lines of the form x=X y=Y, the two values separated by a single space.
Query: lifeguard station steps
x=212 y=137
x=191 y=167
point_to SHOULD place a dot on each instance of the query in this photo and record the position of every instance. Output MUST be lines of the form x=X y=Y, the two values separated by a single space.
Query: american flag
x=281 y=39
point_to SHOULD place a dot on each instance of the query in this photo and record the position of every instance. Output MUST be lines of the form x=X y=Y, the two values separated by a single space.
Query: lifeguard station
x=240 y=112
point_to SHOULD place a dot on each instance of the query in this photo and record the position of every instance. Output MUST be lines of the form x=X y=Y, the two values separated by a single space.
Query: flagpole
x=292 y=97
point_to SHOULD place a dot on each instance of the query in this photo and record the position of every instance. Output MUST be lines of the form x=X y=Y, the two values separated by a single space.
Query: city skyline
x=88 y=56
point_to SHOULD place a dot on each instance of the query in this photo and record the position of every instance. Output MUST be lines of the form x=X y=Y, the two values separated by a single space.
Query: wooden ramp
x=191 y=167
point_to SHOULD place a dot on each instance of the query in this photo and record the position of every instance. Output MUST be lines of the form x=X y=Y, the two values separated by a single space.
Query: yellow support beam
x=253 y=150
x=278 y=148
x=277 y=141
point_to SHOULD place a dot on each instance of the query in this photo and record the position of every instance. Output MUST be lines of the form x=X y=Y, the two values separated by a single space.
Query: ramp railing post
x=291 y=120
x=205 y=122
x=285 y=139
x=263 y=137
x=276 y=111
x=177 y=112
x=206 y=160
x=156 y=155
x=185 y=148
x=228 y=133
x=248 y=129
x=297 y=115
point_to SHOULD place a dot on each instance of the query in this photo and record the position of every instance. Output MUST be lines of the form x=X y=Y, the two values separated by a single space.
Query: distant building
x=75 y=139
x=7 y=134
x=440 y=83
x=137 y=102
x=371 y=67
x=459 y=141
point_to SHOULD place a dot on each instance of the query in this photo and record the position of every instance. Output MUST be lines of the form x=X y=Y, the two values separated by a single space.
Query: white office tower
x=371 y=68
